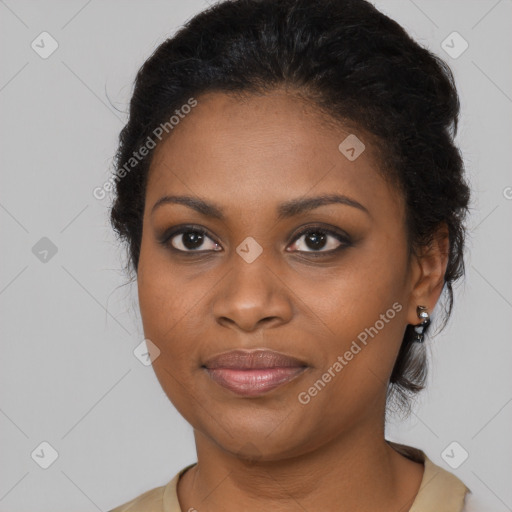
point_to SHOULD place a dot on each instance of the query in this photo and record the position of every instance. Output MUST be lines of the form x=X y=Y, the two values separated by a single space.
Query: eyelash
x=343 y=238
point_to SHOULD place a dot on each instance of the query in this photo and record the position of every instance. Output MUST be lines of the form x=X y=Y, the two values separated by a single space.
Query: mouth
x=255 y=372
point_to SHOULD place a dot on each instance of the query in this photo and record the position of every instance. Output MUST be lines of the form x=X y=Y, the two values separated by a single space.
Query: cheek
x=361 y=305
x=175 y=315
x=166 y=314
x=162 y=297
x=163 y=305
x=353 y=295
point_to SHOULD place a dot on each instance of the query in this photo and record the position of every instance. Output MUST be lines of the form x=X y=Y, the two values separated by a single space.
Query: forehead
x=251 y=149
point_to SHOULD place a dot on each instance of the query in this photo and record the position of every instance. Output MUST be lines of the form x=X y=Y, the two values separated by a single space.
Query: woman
x=293 y=204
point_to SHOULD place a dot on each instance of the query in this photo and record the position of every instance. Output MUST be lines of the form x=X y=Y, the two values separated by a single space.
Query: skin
x=273 y=452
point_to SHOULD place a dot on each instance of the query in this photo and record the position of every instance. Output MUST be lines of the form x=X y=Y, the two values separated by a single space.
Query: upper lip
x=252 y=359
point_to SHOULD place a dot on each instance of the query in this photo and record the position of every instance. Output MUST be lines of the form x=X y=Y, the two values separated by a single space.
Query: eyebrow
x=284 y=210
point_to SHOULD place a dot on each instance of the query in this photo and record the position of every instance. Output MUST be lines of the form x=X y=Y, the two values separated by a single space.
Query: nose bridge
x=251 y=291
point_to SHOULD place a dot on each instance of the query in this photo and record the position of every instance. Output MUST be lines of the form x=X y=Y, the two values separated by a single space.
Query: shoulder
x=159 y=499
x=443 y=482
x=440 y=490
x=150 y=501
x=474 y=504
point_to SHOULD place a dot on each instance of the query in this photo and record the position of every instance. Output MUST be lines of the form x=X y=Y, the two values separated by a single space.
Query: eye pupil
x=192 y=239
x=317 y=240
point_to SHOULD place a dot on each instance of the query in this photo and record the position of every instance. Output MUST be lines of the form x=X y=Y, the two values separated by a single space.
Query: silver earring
x=419 y=330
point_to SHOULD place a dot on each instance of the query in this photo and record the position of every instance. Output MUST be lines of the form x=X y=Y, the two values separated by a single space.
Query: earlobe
x=419 y=330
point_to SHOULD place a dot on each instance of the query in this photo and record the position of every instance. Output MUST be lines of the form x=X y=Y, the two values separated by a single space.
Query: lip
x=253 y=372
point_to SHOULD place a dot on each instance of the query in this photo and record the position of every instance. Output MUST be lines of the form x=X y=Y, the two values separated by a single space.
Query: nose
x=252 y=295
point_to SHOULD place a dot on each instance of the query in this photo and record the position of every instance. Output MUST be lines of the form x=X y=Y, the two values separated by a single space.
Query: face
x=328 y=285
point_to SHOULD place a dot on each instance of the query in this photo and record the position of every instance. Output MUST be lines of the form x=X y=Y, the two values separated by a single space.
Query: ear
x=428 y=270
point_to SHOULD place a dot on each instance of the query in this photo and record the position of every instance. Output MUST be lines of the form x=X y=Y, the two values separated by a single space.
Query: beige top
x=440 y=490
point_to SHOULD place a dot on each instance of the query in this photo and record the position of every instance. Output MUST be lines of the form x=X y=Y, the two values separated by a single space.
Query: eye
x=316 y=239
x=190 y=239
x=319 y=239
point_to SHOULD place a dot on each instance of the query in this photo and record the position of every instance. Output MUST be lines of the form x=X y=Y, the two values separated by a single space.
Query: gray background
x=68 y=375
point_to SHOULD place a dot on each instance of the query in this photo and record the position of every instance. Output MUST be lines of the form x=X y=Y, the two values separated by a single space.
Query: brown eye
x=191 y=240
x=319 y=239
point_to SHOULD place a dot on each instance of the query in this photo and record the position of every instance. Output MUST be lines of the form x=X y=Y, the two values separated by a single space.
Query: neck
x=355 y=471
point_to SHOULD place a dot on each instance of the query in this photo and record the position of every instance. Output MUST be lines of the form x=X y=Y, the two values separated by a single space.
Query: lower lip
x=253 y=382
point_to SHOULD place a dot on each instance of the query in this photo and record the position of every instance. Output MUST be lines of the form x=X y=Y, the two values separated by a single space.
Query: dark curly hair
x=358 y=67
